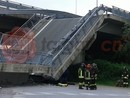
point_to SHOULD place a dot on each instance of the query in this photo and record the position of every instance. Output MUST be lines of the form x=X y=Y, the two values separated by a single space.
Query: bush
x=109 y=71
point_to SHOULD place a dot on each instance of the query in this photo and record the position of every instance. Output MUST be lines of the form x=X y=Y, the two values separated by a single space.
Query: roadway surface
x=53 y=32
x=49 y=91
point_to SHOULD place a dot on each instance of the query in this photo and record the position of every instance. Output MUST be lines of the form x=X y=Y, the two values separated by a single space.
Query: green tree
x=124 y=54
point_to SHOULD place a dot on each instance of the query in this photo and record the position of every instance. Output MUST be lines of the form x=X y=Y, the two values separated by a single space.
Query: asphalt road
x=49 y=91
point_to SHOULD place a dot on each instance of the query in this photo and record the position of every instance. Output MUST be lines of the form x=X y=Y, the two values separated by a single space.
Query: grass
x=109 y=83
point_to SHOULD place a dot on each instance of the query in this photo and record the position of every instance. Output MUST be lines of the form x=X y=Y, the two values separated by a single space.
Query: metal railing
x=26 y=28
x=76 y=39
x=21 y=39
x=120 y=12
x=29 y=24
x=11 y=4
x=65 y=39
x=44 y=58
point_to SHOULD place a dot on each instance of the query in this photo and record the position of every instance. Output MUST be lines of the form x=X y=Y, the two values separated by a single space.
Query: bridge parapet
x=24 y=68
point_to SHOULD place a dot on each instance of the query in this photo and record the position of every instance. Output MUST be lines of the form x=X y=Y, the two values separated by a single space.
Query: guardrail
x=26 y=40
x=120 y=12
x=10 y=4
x=76 y=33
x=74 y=42
x=29 y=24
x=65 y=39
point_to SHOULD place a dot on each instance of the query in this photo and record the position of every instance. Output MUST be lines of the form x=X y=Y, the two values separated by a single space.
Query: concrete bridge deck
x=54 y=32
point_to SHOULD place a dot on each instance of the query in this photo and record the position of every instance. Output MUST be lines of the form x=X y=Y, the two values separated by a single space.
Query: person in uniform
x=93 y=75
x=125 y=77
x=87 y=76
x=81 y=75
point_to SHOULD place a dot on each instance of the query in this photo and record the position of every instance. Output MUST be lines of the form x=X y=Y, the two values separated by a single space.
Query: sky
x=83 y=6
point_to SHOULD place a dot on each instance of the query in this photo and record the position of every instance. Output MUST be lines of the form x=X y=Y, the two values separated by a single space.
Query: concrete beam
x=113 y=24
x=24 y=68
x=117 y=18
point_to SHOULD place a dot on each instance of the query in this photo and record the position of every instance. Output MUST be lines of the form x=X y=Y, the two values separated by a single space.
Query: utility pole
x=96 y=3
x=75 y=6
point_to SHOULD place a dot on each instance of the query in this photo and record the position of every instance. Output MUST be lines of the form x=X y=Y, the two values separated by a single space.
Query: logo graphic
x=108 y=45
x=19 y=45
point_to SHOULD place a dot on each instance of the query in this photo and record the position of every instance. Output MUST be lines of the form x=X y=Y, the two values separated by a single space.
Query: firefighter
x=81 y=75
x=93 y=75
x=87 y=76
x=125 y=77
